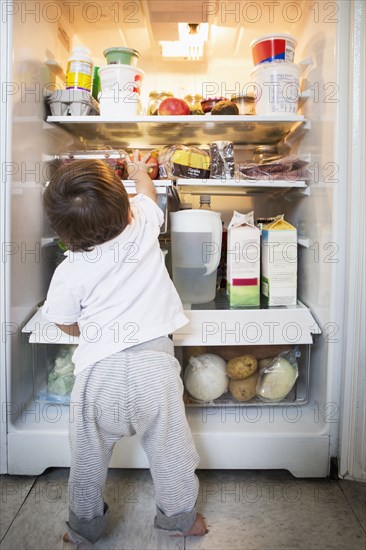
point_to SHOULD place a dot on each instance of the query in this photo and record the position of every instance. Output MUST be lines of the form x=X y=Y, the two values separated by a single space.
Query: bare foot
x=66 y=538
x=198 y=529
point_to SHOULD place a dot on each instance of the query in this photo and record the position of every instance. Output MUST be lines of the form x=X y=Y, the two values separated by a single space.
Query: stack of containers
x=120 y=82
x=275 y=75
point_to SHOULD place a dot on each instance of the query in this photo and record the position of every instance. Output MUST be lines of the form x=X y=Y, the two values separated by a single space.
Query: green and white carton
x=243 y=261
x=279 y=263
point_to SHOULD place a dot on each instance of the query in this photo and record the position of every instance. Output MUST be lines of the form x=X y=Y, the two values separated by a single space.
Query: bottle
x=79 y=72
x=205 y=202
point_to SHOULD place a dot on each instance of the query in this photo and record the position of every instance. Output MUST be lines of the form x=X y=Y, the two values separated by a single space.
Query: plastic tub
x=277 y=88
x=121 y=78
x=273 y=47
x=119 y=104
x=123 y=56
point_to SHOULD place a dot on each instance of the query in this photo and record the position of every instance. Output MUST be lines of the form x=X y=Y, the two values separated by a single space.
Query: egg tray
x=73 y=103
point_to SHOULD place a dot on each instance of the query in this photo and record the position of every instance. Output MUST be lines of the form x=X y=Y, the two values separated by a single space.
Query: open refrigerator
x=322 y=424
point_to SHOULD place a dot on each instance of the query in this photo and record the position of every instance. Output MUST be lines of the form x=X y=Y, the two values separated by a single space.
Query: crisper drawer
x=53 y=372
x=261 y=388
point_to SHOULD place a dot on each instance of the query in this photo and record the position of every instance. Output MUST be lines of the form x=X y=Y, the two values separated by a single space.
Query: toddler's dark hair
x=87 y=204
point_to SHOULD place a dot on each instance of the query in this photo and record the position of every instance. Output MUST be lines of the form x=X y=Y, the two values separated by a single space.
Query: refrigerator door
x=5 y=146
x=352 y=448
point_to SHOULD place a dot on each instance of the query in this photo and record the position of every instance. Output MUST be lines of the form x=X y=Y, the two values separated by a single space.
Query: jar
x=262 y=153
x=155 y=98
x=194 y=102
x=245 y=104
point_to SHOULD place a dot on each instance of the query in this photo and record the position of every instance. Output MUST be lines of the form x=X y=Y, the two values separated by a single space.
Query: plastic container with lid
x=273 y=48
x=79 y=72
x=121 y=78
x=155 y=98
x=123 y=56
x=277 y=88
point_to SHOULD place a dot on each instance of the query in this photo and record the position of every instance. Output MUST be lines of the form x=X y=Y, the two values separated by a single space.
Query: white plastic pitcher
x=196 y=249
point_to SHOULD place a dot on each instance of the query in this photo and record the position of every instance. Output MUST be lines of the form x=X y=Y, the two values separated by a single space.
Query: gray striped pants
x=136 y=391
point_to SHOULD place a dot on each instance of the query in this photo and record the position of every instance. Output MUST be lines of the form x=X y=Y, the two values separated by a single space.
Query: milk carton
x=243 y=261
x=279 y=263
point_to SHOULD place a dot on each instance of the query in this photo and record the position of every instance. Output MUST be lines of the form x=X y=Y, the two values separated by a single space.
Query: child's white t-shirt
x=120 y=293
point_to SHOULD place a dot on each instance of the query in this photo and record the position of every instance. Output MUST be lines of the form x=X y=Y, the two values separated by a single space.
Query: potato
x=263 y=363
x=241 y=367
x=244 y=390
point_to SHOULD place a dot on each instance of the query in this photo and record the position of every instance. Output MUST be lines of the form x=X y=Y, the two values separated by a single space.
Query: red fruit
x=153 y=171
x=173 y=106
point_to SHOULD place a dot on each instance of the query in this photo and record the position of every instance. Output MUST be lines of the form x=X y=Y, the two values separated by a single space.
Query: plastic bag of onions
x=205 y=377
x=278 y=376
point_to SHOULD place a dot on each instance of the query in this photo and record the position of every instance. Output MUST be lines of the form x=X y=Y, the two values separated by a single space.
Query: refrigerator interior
x=301 y=438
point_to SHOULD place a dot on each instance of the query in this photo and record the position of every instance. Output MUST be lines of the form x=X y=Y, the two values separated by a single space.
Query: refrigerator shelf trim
x=209 y=327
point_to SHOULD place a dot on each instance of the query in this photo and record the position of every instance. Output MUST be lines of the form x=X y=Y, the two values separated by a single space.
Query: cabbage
x=61 y=379
x=205 y=377
x=276 y=379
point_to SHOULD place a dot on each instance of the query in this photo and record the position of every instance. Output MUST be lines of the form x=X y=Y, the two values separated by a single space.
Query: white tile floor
x=256 y=510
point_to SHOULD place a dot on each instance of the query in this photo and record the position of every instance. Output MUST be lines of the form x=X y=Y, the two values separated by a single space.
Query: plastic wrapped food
x=278 y=376
x=290 y=168
x=222 y=159
x=179 y=161
x=61 y=379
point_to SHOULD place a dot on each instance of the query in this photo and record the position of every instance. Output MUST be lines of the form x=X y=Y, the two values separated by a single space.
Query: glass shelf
x=191 y=129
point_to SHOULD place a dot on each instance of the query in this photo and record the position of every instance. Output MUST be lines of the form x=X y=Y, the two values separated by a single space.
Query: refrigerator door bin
x=298 y=395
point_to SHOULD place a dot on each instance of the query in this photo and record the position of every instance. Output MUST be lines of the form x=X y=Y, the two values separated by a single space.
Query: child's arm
x=70 y=330
x=137 y=170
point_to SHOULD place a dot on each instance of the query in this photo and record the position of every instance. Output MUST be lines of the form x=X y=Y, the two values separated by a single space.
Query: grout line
x=350 y=505
x=20 y=507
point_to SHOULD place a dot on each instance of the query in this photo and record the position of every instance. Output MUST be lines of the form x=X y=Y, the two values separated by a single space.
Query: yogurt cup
x=277 y=88
x=273 y=48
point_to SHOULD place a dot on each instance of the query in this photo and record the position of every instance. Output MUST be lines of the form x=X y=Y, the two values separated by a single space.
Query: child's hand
x=136 y=166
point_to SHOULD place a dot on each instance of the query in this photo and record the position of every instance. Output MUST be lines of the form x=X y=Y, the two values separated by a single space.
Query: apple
x=173 y=106
x=153 y=170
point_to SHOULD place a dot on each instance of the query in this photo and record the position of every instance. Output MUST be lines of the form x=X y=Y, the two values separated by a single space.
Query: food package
x=222 y=159
x=61 y=378
x=279 y=263
x=278 y=376
x=243 y=261
x=205 y=377
x=290 y=168
x=179 y=161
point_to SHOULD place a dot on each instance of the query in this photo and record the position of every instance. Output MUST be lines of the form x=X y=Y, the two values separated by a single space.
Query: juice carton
x=243 y=261
x=279 y=263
